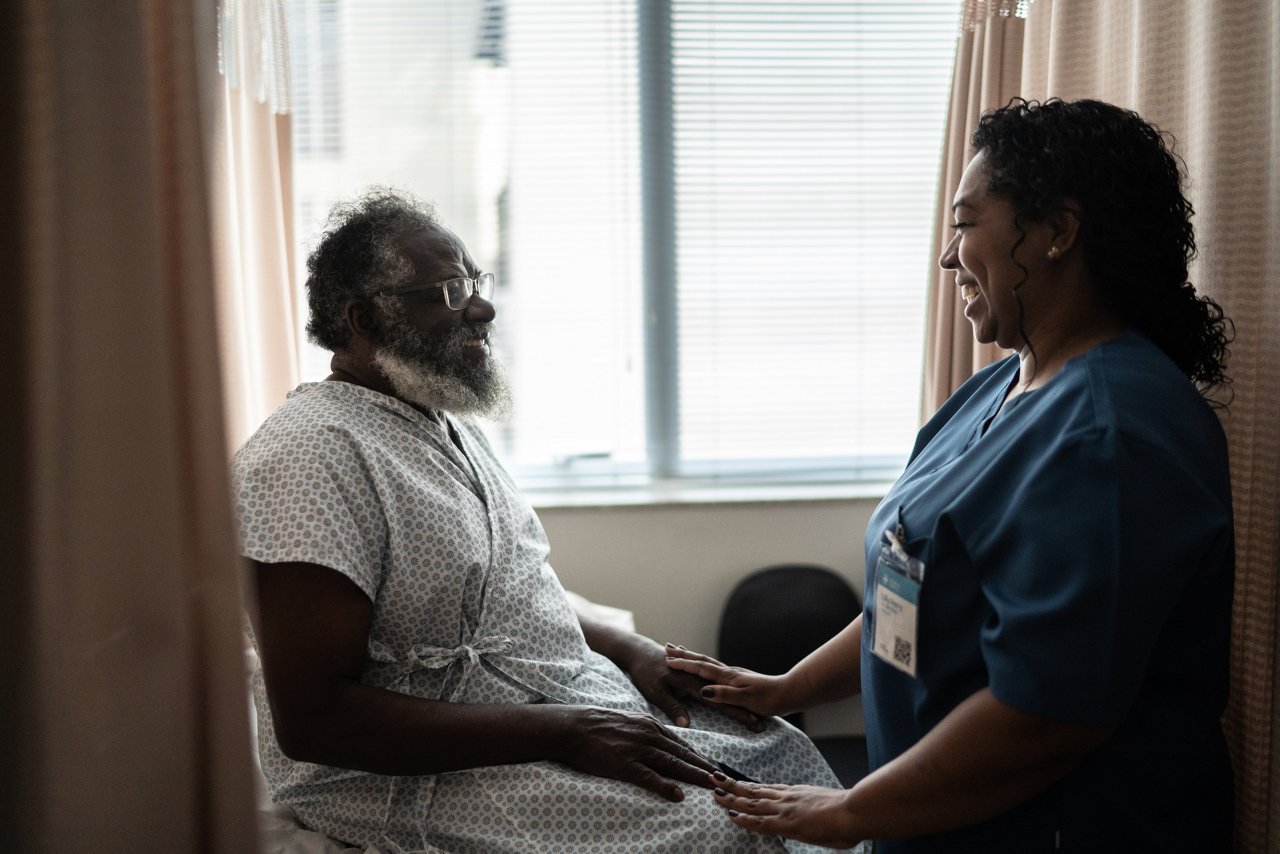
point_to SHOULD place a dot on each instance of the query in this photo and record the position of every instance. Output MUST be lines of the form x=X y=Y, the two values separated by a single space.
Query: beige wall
x=673 y=565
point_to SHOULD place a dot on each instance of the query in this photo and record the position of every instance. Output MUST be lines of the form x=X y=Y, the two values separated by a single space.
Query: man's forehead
x=430 y=239
x=433 y=249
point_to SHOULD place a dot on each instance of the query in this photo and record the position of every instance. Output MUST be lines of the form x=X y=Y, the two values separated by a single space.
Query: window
x=315 y=48
x=710 y=220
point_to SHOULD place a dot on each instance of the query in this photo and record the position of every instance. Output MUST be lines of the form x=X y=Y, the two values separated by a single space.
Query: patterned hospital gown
x=466 y=609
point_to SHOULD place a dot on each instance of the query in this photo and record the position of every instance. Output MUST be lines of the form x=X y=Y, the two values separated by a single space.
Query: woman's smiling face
x=991 y=257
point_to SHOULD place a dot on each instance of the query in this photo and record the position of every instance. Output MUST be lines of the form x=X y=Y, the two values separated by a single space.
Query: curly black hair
x=1119 y=175
x=358 y=255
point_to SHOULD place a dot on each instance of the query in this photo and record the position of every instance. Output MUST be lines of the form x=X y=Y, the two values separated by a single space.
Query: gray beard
x=435 y=374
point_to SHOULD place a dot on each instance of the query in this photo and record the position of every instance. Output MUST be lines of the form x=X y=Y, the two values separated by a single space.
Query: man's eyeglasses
x=457 y=292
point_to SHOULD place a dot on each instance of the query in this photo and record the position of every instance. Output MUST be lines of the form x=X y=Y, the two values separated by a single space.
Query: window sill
x=685 y=492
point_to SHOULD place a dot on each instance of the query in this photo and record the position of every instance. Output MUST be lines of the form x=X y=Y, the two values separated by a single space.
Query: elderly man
x=425 y=684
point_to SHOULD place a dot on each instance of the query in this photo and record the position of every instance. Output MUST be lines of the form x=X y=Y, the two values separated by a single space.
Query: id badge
x=897 y=597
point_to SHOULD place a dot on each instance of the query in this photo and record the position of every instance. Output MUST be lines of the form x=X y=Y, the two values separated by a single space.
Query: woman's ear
x=1064 y=230
x=363 y=320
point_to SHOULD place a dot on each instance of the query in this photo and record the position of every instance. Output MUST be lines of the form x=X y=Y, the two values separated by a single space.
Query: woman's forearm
x=831 y=672
x=982 y=759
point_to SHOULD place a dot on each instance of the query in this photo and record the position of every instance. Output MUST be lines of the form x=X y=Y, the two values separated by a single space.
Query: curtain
x=253 y=216
x=987 y=74
x=125 y=725
x=1209 y=73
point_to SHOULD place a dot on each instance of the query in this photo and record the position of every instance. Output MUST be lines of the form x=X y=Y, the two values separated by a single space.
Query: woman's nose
x=947 y=260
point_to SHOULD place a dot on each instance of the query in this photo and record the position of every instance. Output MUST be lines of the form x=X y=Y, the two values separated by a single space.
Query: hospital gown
x=466 y=609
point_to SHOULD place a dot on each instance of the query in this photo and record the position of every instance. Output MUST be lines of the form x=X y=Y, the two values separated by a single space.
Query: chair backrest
x=777 y=615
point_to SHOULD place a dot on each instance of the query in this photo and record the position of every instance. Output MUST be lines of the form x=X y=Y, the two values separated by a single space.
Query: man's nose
x=479 y=310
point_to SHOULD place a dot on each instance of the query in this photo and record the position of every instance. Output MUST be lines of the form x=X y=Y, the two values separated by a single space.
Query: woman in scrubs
x=1043 y=654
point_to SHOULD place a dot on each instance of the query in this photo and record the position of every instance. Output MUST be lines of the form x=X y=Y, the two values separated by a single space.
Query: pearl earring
x=1053 y=252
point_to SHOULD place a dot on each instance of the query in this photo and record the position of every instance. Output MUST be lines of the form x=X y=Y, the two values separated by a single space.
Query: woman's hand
x=630 y=747
x=805 y=813
x=733 y=686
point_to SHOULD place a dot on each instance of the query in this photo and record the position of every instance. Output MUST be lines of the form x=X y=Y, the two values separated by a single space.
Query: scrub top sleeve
x=1100 y=539
x=310 y=499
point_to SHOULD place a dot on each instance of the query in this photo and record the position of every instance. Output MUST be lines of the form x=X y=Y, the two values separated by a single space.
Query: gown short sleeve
x=303 y=493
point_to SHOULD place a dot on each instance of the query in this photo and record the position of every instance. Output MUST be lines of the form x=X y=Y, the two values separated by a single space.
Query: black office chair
x=775 y=617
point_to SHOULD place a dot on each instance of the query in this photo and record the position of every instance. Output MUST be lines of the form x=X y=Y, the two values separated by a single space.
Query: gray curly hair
x=358 y=255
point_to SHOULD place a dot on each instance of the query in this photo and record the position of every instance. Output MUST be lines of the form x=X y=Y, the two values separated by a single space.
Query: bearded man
x=425 y=684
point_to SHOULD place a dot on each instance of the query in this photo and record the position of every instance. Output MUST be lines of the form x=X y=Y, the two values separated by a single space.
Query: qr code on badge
x=902 y=651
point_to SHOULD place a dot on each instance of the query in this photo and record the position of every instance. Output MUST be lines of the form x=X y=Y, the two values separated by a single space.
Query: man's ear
x=1064 y=227
x=364 y=321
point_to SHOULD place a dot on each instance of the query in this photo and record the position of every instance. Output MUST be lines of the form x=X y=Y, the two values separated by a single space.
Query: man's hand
x=669 y=689
x=645 y=661
x=732 y=687
x=805 y=813
x=630 y=747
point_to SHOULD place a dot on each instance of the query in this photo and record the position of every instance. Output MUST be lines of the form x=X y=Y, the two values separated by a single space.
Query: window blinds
x=802 y=141
x=807 y=143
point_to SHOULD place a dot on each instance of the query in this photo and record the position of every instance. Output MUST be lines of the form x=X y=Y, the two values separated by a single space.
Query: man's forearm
x=313 y=627
x=384 y=732
x=616 y=644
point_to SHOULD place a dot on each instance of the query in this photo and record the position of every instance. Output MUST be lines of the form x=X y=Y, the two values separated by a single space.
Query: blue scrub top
x=1078 y=551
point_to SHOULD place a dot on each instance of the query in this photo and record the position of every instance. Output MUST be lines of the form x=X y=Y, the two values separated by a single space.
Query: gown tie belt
x=427 y=657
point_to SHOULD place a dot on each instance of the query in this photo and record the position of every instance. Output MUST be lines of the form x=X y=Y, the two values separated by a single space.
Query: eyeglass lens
x=457 y=292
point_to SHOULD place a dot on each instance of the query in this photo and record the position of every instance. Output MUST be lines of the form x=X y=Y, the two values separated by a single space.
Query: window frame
x=664 y=468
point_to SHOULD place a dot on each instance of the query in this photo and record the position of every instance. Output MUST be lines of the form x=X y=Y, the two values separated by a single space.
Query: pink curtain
x=253 y=216
x=1205 y=72
x=987 y=74
x=126 y=715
